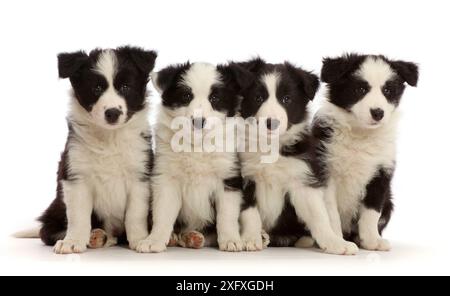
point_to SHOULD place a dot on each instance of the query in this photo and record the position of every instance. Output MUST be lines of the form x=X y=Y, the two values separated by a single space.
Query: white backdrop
x=33 y=105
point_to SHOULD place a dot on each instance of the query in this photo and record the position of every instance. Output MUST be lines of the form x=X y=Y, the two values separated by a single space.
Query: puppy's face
x=369 y=88
x=109 y=84
x=199 y=92
x=278 y=95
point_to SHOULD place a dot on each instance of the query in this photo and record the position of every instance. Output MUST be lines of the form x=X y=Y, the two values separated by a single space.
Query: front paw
x=70 y=246
x=230 y=245
x=134 y=243
x=340 y=247
x=151 y=245
x=378 y=244
x=252 y=243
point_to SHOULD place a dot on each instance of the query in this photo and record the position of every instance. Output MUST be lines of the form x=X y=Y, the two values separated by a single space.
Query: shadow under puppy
x=197 y=189
x=289 y=192
x=104 y=173
x=356 y=135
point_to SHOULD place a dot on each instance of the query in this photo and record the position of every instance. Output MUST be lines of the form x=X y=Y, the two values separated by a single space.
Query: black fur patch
x=233 y=184
x=174 y=95
x=311 y=149
x=321 y=134
x=150 y=162
x=379 y=198
x=249 y=194
x=288 y=228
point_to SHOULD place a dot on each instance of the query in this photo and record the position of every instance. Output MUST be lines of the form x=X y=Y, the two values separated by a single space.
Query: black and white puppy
x=288 y=192
x=104 y=173
x=201 y=190
x=356 y=133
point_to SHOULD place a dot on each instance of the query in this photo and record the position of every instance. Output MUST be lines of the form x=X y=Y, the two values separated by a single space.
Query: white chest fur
x=273 y=181
x=197 y=177
x=353 y=159
x=109 y=162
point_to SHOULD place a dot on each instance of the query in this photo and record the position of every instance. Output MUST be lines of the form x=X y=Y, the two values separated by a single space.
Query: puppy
x=201 y=190
x=104 y=173
x=356 y=132
x=288 y=191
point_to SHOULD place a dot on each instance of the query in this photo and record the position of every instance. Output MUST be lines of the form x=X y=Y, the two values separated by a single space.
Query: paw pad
x=98 y=239
x=193 y=240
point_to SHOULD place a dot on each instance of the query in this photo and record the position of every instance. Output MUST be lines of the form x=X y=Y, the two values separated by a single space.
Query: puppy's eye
x=214 y=98
x=98 y=90
x=286 y=100
x=124 y=88
x=187 y=96
x=361 y=90
x=387 y=91
x=259 y=99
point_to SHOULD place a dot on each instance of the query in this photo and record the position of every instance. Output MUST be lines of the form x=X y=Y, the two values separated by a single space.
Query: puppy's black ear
x=407 y=71
x=69 y=64
x=254 y=65
x=144 y=59
x=307 y=82
x=164 y=78
x=335 y=68
x=235 y=75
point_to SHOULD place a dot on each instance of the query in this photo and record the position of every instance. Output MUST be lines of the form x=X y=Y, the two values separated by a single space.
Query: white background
x=33 y=105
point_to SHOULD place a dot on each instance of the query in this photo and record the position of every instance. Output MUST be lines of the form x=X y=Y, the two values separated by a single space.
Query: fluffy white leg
x=310 y=207
x=166 y=206
x=368 y=231
x=136 y=216
x=79 y=204
x=251 y=230
x=228 y=206
x=332 y=208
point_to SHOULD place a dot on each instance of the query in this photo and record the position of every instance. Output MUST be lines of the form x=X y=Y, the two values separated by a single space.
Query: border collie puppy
x=104 y=173
x=200 y=190
x=356 y=133
x=288 y=192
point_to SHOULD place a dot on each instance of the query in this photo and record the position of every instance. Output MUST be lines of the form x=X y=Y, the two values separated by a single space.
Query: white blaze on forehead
x=375 y=71
x=271 y=82
x=271 y=108
x=107 y=67
x=200 y=78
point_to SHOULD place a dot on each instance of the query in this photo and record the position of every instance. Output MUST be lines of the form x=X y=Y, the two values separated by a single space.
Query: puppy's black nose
x=272 y=124
x=199 y=122
x=112 y=115
x=377 y=114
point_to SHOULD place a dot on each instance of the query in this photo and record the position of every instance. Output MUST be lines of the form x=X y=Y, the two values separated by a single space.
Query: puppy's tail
x=29 y=233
